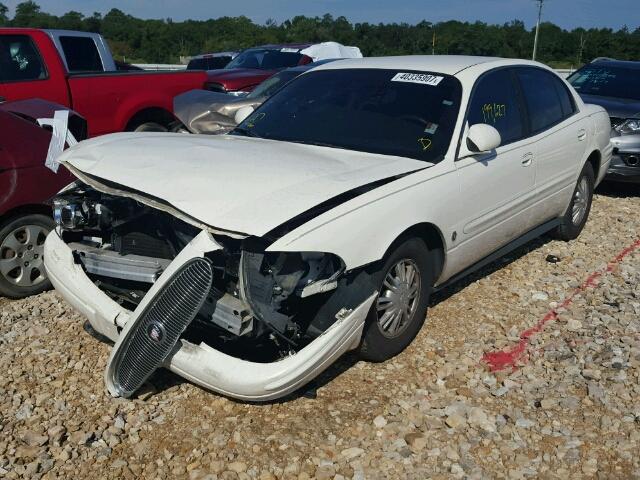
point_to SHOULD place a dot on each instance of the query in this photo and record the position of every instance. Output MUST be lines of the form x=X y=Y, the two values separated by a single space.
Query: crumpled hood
x=615 y=107
x=239 y=78
x=239 y=184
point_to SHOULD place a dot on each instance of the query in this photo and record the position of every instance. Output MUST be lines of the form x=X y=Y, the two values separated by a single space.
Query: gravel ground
x=569 y=407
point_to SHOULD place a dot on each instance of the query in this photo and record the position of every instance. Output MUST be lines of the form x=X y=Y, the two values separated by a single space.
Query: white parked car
x=248 y=263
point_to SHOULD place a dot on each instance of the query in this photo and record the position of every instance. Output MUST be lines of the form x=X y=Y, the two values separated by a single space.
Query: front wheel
x=404 y=284
x=22 y=270
x=577 y=214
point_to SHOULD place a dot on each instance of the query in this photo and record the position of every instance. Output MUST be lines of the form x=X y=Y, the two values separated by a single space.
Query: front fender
x=361 y=230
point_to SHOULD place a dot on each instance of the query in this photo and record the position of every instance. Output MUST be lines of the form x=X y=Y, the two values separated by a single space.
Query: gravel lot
x=568 y=408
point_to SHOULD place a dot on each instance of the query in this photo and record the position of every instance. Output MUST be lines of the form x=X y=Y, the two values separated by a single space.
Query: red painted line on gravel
x=502 y=360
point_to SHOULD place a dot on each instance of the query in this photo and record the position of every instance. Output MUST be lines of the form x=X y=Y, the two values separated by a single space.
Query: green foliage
x=165 y=40
x=4 y=10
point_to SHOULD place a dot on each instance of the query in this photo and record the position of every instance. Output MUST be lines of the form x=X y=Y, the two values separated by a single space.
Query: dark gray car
x=615 y=85
x=213 y=113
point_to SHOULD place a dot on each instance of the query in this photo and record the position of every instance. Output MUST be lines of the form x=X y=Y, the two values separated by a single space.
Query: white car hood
x=239 y=184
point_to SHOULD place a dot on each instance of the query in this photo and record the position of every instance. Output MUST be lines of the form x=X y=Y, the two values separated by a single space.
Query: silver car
x=213 y=113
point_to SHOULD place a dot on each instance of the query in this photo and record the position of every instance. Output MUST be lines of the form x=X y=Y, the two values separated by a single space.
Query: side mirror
x=480 y=138
x=243 y=113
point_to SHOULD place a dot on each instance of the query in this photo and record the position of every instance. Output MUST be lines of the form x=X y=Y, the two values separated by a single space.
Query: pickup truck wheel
x=577 y=214
x=404 y=285
x=22 y=270
x=151 y=127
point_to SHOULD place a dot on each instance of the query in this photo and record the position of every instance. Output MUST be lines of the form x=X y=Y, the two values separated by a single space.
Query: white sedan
x=248 y=263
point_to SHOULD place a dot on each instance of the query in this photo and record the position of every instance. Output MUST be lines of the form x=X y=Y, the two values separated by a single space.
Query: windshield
x=389 y=112
x=266 y=59
x=272 y=84
x=606 y=81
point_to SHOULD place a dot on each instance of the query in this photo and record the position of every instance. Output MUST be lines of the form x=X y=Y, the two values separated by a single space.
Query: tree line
x=165 y=41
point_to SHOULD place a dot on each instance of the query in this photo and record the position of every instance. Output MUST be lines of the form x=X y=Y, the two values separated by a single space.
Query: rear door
x=23 y=73
x=496 y=189
x=560 y=136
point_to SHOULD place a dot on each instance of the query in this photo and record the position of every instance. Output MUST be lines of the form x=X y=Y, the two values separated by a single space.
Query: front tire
x=22 y=270
x=404 y=284
x=576 y=216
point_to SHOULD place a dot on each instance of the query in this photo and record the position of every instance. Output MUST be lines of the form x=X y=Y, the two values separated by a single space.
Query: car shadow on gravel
x=499 y=264
x=618 y=189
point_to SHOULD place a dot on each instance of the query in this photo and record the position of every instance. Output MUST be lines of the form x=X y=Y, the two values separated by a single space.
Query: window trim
x=524 y=118
x=42 y=62
x=564 y=117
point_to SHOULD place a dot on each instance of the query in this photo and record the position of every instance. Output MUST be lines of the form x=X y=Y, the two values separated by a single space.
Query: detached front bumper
x=625 y=162
x=201 y=363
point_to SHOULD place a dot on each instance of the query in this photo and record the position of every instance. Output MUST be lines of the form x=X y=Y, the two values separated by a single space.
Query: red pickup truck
x=76 y=69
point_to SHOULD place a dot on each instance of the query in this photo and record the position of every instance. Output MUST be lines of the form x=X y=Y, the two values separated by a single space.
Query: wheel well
x=594 y=160
x=432 y=237
x=26 y=210
x=154 y=114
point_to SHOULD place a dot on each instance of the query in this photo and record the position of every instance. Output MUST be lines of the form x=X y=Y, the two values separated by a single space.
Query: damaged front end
x=217 y=309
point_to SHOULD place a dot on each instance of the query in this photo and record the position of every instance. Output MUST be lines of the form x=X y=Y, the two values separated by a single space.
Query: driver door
x=497 y=189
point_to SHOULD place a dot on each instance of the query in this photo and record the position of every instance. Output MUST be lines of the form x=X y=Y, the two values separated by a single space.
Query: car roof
x=446 y=64
x=309 y=66
x=214 y=55
x=277 y=46
x=610 y=62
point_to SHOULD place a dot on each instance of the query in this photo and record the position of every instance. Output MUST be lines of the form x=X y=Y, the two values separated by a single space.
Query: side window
x=541 y=93
x=495 y=102
x=81 y=54
x=20 y=60
x=566 y=99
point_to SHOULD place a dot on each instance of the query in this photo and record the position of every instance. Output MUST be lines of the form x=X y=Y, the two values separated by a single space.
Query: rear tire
x=408 y=269
x=22 y=270
x=575 y=218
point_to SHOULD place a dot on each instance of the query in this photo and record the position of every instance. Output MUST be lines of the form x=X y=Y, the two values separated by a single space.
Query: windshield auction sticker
x=422 y=78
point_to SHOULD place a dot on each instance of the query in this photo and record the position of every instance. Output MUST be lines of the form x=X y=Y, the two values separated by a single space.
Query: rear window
x=266 y=59
x=81 y=54
x=197 y=64
x=208 y=63
x=607 y=81
x=20 y=60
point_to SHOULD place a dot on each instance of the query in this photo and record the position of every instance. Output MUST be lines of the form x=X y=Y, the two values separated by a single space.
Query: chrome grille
x=158 y=328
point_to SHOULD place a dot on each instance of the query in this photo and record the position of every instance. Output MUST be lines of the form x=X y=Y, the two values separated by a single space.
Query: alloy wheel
x=21 y=256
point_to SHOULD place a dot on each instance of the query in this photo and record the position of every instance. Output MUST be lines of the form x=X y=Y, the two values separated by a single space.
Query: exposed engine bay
x=262 y=306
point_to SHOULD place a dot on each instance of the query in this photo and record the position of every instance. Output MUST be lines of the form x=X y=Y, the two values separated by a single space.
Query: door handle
x=527 y=159
x=582 y=134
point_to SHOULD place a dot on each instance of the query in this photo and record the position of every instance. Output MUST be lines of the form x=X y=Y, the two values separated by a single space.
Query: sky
x=566 y=13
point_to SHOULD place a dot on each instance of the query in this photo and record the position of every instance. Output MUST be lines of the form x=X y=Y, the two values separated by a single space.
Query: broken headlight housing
x=283 y=288
x=629 y=127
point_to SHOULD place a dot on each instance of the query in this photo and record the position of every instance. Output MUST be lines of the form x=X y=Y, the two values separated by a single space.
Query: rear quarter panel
x=601 y=139
x=110 y=100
